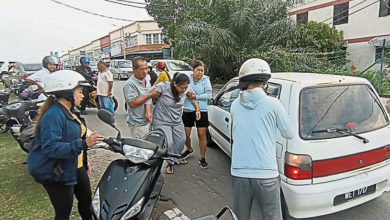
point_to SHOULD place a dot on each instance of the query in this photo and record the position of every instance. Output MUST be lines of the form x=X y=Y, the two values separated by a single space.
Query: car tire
x=210 y=142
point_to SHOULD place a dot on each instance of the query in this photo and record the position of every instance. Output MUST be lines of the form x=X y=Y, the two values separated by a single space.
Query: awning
x=378 y=41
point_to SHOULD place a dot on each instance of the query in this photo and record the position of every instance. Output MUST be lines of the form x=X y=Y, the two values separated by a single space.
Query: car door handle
x=226 y=119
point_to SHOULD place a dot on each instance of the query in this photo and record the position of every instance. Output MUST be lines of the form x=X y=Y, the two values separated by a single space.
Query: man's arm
x=141 y=100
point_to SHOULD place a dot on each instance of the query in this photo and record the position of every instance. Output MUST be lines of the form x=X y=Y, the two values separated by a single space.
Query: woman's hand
x=93 y=139
x=191 y=95
x=198 y=115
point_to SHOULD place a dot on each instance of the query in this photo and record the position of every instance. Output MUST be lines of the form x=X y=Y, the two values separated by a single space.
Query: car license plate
x=342 y=198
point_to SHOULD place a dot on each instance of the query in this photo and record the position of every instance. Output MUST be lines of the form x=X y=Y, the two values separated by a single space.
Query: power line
x=355 y=11
x=133 y=2
x=129 y=5
x=92 y=13
x=346 y=10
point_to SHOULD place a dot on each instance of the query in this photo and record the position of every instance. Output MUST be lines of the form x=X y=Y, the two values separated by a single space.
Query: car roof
x=316 y=78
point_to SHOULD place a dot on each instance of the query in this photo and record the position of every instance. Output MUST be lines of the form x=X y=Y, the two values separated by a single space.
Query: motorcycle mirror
x=34 y=87
x=107 y=117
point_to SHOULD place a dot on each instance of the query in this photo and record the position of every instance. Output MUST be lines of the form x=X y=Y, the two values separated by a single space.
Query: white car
x=339 y=156
x=173 y=66
x=121 y=69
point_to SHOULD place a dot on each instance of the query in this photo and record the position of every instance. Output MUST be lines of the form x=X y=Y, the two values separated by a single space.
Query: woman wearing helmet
x=57 y=158
x=164 y=75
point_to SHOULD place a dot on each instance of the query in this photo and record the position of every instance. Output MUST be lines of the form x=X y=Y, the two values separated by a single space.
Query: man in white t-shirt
x=105 y=83
x=49 y=64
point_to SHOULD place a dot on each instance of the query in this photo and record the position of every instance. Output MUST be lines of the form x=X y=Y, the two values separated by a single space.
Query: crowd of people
x=172 y=102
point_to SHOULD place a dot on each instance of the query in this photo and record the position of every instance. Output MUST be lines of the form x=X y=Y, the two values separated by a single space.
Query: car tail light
x=298 y=166
x=24 y=76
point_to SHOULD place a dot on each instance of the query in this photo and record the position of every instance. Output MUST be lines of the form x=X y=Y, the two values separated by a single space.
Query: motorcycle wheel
x=115 y=103
x=3 y=128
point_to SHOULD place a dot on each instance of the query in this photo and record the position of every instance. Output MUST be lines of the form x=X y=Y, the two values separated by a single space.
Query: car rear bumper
x=304 y=201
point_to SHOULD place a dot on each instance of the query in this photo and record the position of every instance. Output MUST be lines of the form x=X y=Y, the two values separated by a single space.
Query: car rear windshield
x=178 y=66
x=125 y=64
x=352 y=108
x=32 y=66
x=92 y=63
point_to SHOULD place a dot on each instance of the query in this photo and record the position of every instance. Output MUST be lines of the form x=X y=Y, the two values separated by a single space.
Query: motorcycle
x=4 y=96
x=93 y=100
x=19 y=118
x=130 y=187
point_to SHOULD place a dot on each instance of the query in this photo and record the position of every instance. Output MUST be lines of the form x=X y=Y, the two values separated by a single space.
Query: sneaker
x=203 y=164
x=185 y=154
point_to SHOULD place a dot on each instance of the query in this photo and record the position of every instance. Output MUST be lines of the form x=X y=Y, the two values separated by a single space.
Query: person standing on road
x=85 y=71
x=49 y=64
x=255 y=119
x=164 y=75
x=201 y=86
x=56 y=156
x=153 y=76
x=168 y=112
x=136 y=95
x=105 y=83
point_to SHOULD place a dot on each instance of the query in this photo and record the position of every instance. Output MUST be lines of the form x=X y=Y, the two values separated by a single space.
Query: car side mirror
x=211 y=101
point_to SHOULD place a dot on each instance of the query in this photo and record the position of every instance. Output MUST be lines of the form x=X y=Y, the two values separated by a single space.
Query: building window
x=132 y=41
x=340 y=14
x=302 y=18
x=154 y=38
x=378 y=53
x=384 y=8
x=148 y=39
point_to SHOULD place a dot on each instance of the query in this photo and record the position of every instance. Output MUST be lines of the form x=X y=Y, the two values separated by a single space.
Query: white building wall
x=363 y=21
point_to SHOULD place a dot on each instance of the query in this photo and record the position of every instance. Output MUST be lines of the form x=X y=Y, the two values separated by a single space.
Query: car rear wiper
x=341 y=131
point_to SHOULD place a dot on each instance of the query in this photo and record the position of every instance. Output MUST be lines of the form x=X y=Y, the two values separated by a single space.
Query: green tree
x=224 y=33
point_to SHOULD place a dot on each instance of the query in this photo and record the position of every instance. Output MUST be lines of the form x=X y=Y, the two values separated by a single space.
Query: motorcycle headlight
x=133 y=210
x=96 y=203
x=136 y=154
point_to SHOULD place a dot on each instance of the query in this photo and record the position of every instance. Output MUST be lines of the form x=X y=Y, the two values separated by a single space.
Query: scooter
x=4 y=96
x=19 y=118
x=130 y=187
x=93 y=99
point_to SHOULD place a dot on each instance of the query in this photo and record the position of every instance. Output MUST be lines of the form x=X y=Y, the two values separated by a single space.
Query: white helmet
x=253 y=70
x=62 y=83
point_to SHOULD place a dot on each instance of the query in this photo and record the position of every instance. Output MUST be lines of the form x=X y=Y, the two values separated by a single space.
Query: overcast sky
x=30 y=29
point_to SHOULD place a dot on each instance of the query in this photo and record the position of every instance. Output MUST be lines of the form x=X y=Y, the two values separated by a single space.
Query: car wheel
x=210 y=142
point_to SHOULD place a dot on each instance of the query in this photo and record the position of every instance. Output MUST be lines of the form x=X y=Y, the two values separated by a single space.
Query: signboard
x=116 y=50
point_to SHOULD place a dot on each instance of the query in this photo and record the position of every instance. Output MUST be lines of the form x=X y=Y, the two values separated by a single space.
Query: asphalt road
x=199 y=192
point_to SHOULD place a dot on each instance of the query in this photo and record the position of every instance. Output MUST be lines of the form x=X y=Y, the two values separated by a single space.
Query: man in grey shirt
x=136 y=95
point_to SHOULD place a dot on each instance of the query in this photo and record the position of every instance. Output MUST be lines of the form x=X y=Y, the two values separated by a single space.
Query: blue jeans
x=106 y=102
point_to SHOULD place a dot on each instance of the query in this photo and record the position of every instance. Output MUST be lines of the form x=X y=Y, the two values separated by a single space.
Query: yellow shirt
x=83 y=130
x=162 y=77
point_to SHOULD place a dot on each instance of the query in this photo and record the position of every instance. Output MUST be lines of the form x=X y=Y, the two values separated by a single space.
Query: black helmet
x=49 y=60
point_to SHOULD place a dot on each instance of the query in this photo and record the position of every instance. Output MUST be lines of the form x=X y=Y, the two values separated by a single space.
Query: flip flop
x=171 y=169
x=183 y=161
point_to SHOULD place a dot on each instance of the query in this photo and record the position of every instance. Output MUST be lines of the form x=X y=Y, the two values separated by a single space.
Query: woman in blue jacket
x=56 y=150
x=201 y=86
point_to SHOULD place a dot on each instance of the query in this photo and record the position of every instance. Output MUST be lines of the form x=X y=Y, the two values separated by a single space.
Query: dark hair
x=179 y=79
x=196 y=63
x=135 y=61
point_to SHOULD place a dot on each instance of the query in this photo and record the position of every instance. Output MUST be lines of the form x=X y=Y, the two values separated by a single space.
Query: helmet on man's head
x=84 y=59
x=253 y=70
x=161 y=65
x=63 y=83
x=49 y=60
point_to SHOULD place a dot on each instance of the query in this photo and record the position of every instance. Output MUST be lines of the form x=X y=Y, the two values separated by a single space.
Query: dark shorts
x=189 y=120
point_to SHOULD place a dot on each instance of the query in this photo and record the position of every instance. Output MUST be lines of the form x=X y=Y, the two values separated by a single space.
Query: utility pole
x=123 y=42
x=382 y=61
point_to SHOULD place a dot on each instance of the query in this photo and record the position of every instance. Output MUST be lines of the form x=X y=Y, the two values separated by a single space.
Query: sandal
x=182 y=161
x=185 y=154
x=169 y=169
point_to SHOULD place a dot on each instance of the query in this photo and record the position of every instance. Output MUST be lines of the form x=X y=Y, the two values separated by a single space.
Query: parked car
x=339 y=156
x=93 y=66
x=121 y=69
x=173 y=66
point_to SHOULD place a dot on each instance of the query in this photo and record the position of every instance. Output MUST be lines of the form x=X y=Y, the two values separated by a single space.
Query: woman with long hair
x=168 y=112
x=57 y=155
